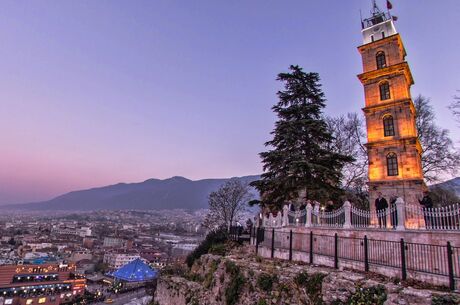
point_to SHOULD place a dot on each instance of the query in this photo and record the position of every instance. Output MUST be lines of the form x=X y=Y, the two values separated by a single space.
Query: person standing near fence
x=381 y=205
x=302 y=209
x=315 y=212
x=394 y=211
x=427 y=204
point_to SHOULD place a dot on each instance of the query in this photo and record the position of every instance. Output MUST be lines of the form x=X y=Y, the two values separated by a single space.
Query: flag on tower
x=389 y=5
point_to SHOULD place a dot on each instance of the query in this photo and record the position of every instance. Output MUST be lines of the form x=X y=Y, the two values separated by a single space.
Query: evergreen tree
x=302 y=157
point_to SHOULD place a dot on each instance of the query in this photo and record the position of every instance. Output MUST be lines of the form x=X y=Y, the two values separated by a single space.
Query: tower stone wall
x=394 y=150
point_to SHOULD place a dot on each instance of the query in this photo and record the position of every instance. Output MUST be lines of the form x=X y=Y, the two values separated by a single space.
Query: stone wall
x=211 y=281
x=387 y=254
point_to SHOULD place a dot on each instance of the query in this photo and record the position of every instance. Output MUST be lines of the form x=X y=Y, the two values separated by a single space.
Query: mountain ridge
x=172 y=193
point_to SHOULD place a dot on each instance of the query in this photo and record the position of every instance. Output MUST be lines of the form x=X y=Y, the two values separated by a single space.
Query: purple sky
x=98 y=92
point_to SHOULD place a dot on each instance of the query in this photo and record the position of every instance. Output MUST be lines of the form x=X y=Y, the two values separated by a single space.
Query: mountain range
x=452 y=185
x=152 y=194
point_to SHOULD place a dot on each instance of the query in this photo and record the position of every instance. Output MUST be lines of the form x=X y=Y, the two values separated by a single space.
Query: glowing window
x=29 y=301
x=381 y=60
x=388 y=126
x=392 y=164
x=384 y=91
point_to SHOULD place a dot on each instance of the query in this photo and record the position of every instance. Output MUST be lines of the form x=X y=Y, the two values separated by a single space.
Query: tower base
x=409 y=190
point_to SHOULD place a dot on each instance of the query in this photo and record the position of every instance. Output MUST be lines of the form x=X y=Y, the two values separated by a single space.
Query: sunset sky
x=99 y=92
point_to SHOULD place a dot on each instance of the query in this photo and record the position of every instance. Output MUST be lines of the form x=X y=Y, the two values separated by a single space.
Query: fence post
x=311 y=247
x=336 y=251
x=257 y=240
x=366 y=254
x=285 y=215
x=450 y=265
x=273 y=243
x=290 y=245
x=347 y=211
x=401 y=214
x=308 y=211
x=403 y=260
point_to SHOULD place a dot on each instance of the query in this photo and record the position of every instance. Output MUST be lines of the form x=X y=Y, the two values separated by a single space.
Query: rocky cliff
x=242 y=278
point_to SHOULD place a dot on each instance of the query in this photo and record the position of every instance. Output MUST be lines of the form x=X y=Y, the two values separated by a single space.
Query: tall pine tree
x=301 y=156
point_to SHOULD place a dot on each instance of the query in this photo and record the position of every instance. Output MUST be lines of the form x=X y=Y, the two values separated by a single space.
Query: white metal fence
x=398 y=216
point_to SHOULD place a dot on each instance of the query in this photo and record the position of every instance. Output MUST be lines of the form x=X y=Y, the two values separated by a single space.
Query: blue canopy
x=135 y=271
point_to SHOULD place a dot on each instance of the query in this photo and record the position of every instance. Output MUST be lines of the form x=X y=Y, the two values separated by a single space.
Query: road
x=124 y=298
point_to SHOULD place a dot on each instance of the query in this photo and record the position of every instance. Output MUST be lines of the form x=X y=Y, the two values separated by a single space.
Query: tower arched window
x=381 y=60
x=388 y=126
x=392 y=164
x=384 y=91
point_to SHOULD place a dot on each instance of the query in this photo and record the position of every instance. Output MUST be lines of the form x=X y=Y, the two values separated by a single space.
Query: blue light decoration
x=135 y=271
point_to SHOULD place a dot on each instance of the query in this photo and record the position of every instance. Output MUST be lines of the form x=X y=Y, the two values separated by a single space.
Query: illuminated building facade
x=39 y=284
x=394 y=150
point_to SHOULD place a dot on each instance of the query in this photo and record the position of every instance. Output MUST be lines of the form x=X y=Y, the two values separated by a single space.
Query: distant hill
x=172 y=193
x=451 y=185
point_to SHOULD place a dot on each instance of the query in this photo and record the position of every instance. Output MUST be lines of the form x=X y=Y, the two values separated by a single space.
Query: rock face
x=244 y=279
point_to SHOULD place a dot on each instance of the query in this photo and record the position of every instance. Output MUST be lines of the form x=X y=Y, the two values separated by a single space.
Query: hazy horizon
x=96 y=93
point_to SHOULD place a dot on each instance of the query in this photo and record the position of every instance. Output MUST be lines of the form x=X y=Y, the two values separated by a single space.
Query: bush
x=262 y=302
x=375 y=295
x=235 y=285
x=175 y=269
x=213 y=238
x=447 y=299
x=218 y=249
x=265 y=281
x=208 y=279
x=312 y=284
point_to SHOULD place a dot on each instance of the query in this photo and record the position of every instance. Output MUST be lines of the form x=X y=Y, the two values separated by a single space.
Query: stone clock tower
x=393 y=146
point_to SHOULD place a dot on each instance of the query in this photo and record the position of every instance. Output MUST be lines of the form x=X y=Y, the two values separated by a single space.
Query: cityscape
x=211 y=153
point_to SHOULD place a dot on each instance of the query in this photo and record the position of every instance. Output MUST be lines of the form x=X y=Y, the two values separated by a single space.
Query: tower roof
x=378 y=26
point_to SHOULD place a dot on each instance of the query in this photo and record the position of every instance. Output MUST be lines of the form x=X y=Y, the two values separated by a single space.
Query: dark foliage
x=213 y=238
x=302 y=158
x=235 y=285
x=266 y=281
x=312 y=284
x=375 y=295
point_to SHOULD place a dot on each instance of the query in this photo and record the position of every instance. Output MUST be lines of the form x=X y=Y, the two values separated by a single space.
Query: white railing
x=398 y=216
x=297 y=218
x=442 y=218
x=384 y=218
x=334 y=218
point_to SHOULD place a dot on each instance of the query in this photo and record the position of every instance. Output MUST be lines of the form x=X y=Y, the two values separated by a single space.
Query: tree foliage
x=302 y=157
x=227 y=203
x=215 y=237
x=439 y=156
x=455 y=107
x=349 y=137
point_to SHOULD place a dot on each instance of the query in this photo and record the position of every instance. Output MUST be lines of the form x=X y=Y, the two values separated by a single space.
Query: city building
x=39 y=284
x=117 y=258
x=116 y=242
x=82 y=232
x=394 y=150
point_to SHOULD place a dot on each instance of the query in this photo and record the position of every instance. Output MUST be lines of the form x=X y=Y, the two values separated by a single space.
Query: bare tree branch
x=439 y=156
x=226 y=204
